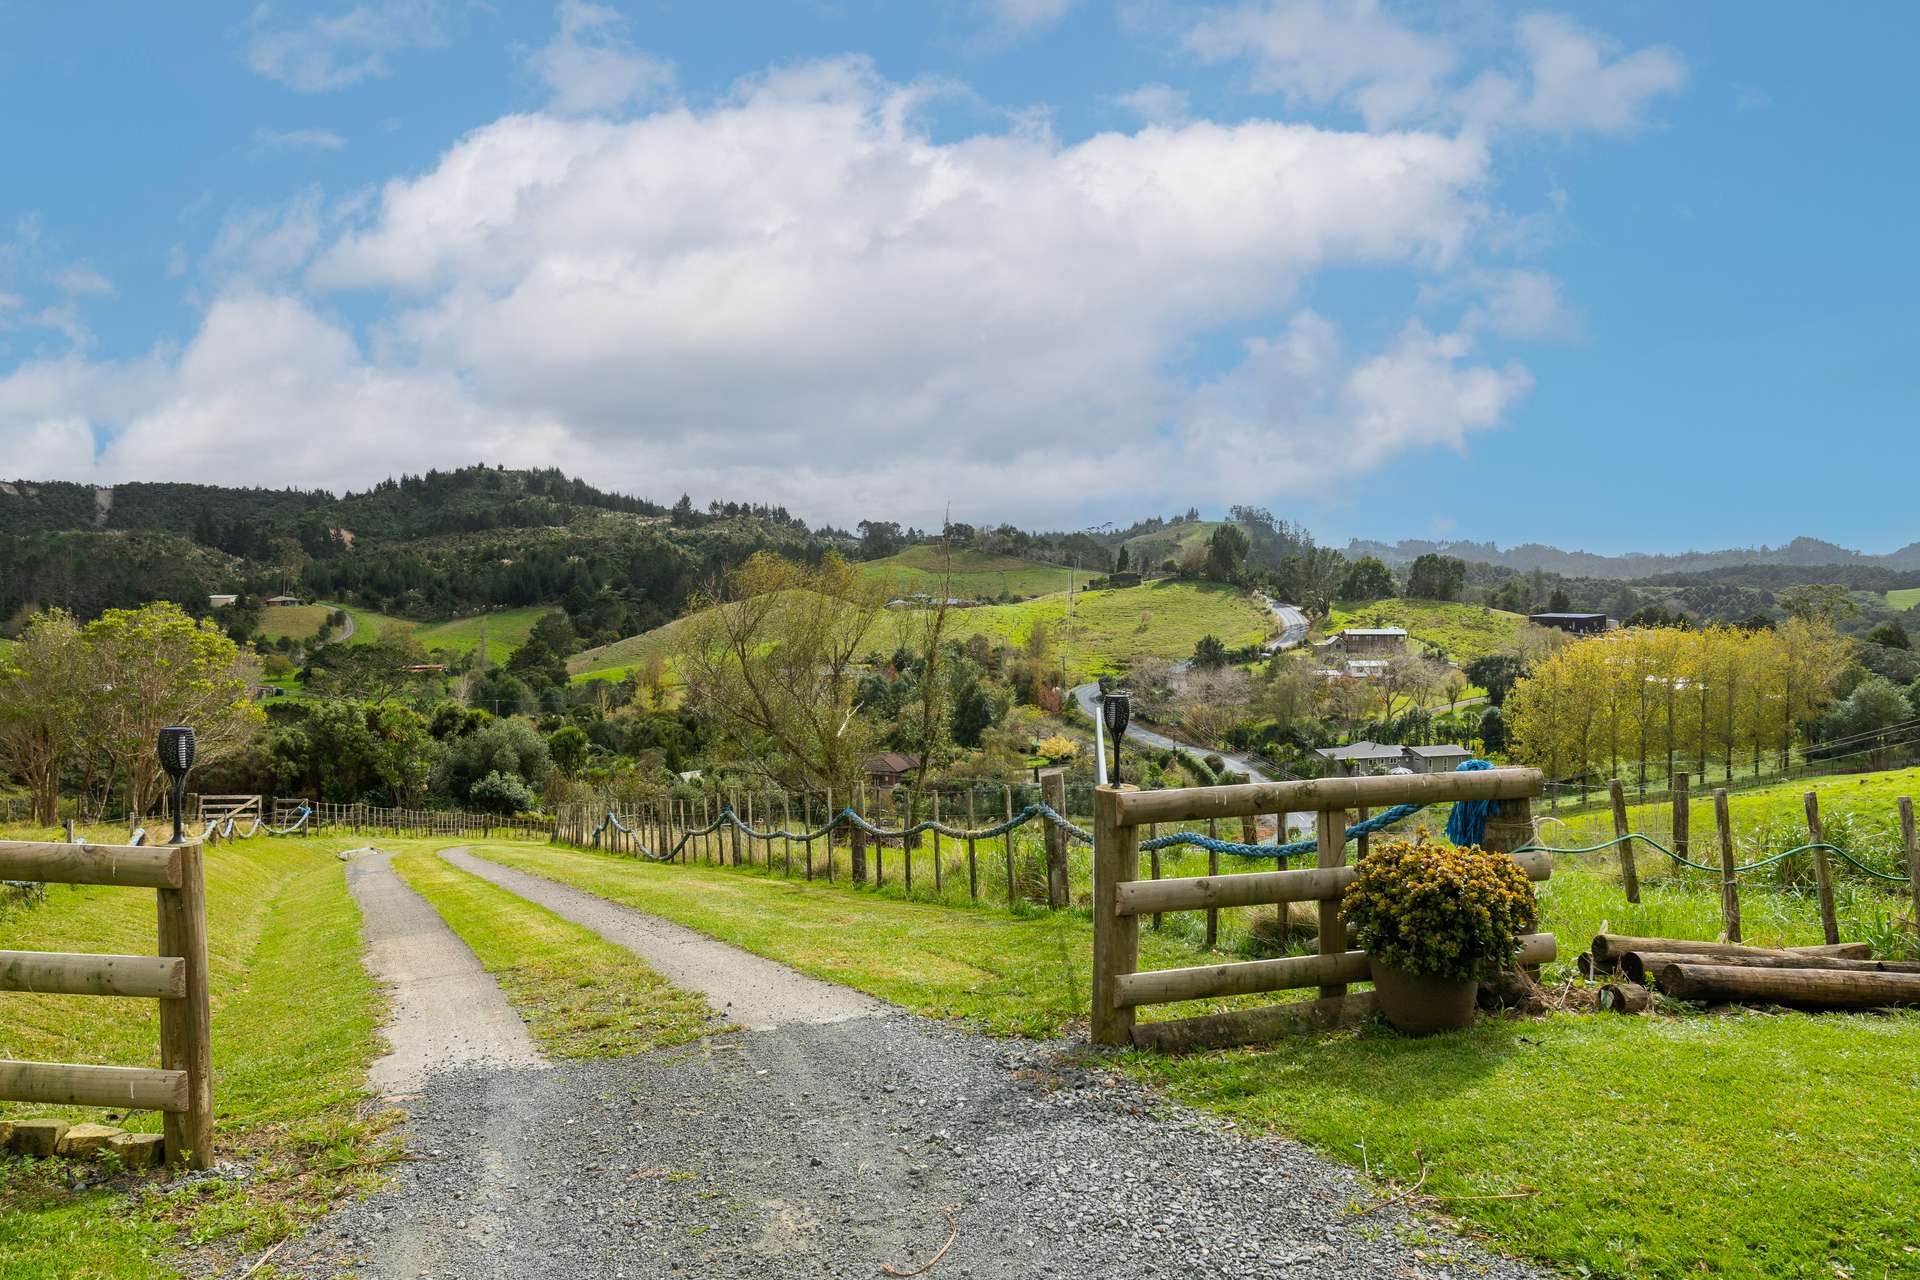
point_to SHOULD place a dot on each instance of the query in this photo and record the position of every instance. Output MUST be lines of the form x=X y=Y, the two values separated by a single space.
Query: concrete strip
x=447 y=1012
x=751 y=991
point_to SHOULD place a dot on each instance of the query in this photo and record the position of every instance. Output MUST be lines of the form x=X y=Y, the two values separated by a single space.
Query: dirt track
x=828 y=1144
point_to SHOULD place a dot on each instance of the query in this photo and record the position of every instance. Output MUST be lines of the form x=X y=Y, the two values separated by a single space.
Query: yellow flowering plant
x=1438 y=910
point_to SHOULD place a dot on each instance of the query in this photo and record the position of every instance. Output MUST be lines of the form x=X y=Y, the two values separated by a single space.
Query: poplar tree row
x=1658 y=700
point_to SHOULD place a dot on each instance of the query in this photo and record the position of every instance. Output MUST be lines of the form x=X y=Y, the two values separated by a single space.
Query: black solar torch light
x=176 y=749
x=1115 y=708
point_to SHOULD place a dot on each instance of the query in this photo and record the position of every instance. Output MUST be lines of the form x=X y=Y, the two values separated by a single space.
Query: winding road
x=1293 y=630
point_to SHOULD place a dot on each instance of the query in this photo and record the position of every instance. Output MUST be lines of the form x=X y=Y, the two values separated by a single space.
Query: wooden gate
x=1120 y=898
x=182 y=1089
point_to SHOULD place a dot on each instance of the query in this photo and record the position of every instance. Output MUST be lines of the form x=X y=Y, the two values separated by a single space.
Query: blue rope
x=1385 y=818
x=1467 y=824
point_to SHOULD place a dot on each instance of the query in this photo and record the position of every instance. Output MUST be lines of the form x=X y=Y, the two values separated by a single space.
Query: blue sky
x=1631 y=276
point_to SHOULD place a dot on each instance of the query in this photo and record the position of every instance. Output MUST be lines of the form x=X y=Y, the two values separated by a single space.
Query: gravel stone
x=831 y=1148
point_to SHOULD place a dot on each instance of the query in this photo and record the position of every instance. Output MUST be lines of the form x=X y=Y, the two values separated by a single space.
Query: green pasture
x=974 y=575
x=293 y=621
x=1113 y=629
x=1463 y=631
x=504 y=630
x=1904 y=598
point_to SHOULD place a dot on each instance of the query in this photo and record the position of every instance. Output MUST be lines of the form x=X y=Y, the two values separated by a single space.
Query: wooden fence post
x=1007 y=792
x=733 y=826
x=1729 y=885
x=973 y=862
x=1116 y=938
x=857 y=871
x=1213 y=869
x=1822 y=872
x=1911 y=844
x=1629 y=866
x=1330 y=827
x=186 y=1024
x=1682 y=816
x=1053 y=788
x=936 y=846
x=831 y=814
x=1153 y=833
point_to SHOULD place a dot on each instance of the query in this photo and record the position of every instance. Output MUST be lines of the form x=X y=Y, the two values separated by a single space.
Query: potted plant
x=1436 y=918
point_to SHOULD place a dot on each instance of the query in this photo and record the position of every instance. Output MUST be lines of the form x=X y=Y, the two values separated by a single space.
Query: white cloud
x=1018 y=17
x=1318 y=52
x=263 y=245
x=325 y=53
x=591 y=67
x=1355 y=53
x=300 y=139
x=1522 y=303
x=1310 y=412
x=800 y=294
x=1571 y=84
x=82 y=281
x=1157 y=104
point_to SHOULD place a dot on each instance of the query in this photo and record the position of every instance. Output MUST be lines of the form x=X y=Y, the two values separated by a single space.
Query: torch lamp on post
x=176 y=750
x=1115 y=708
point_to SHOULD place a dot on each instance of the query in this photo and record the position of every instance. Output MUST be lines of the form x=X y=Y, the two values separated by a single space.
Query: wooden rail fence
x=1121 y=897
x=182 y=1088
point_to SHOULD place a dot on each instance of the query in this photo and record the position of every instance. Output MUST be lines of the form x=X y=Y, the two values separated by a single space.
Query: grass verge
x=580 y=995
x=294 y=1019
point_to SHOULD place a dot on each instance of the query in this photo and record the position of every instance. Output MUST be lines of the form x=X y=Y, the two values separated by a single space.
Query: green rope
x=1740 y=869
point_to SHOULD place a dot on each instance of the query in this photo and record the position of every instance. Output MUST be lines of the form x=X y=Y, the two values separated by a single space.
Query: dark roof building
x=1581 y=624
x=890 y=768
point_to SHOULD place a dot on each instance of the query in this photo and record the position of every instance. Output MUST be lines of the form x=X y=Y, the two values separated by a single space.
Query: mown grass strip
x=1006 y=974
x=580 y=995
x=294 y=1027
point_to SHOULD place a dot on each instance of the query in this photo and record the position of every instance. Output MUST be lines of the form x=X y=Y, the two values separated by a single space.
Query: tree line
x=1662 y=699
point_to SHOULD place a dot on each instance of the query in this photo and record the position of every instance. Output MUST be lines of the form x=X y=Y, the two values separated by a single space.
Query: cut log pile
x=1838 y=976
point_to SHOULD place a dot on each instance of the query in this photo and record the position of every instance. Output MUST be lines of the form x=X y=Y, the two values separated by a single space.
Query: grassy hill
x=1464 y=631
x=1903 y=598
x=294 y=621
x=1113 y=629
x=975 y=575
x=613 y=661
x=504 y=629
x=1145 y=551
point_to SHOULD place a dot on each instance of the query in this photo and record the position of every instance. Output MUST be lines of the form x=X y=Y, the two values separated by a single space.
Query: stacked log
x=1836 y=976
x=1793 y=988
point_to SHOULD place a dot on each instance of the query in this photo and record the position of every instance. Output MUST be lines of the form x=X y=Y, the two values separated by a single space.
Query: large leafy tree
x=1366 y=581
x=772 y=665
x=155 y=666
x=42 y=711
x=1436 y=577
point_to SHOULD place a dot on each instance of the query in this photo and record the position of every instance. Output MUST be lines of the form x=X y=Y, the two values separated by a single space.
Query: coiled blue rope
x=1467 y=824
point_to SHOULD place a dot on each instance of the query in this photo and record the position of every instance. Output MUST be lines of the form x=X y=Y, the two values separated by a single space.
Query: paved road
x=1293 y=629
x=834 y=1149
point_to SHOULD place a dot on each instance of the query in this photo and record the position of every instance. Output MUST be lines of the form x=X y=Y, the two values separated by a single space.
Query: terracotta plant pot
x=1419 y=1005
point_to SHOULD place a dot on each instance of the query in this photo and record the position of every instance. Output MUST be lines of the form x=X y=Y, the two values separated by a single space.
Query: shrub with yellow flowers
x=1438 y=910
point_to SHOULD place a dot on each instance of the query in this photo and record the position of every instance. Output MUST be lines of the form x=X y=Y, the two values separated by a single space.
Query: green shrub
x=1437 y=910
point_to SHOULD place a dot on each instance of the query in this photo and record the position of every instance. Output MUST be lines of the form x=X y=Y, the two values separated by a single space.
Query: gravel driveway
x=830 y=1148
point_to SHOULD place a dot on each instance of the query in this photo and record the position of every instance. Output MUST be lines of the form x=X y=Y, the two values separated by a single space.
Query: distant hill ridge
x=1805 y=553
